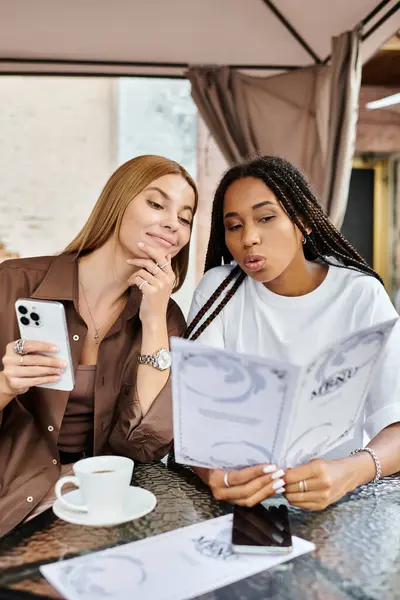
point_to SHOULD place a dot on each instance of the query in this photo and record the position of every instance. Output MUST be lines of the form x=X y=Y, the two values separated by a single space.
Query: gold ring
x=21 y=360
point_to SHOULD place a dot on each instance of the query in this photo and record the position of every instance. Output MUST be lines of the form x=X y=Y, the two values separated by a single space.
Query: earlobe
x=305 y=237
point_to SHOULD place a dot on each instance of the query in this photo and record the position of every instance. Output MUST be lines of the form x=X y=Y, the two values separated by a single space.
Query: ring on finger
x=303 y=486
x=226 y=482
x=162 y=266
x=142 y=284
x=19 y=347
x=21 y=360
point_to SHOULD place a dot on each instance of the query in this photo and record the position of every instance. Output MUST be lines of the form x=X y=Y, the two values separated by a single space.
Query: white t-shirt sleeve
x=383 y=403
x=213 y=335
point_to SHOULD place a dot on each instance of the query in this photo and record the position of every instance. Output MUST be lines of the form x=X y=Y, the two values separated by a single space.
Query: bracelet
x=375 y=459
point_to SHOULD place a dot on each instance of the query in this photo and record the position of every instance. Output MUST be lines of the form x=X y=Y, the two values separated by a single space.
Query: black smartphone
x=261 y=529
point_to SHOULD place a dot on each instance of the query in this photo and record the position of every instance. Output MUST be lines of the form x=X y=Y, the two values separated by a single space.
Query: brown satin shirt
x=76 y=431
x=30 y=423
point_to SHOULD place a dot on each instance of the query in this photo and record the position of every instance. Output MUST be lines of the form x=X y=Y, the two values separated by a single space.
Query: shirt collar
x=61 y=283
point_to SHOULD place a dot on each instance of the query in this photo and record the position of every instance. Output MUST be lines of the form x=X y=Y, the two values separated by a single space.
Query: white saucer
x=139 y=503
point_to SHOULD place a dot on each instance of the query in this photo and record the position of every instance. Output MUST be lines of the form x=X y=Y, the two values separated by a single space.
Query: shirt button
x=50 y=428
x=54 y=461
x=75 y=338
x=29 y=499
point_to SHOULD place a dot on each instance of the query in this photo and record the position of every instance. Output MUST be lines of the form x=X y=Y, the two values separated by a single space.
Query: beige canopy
x=230 y=50
x=164 y=37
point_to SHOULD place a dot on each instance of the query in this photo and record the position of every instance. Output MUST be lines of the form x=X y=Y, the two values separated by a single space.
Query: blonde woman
x=115 y=280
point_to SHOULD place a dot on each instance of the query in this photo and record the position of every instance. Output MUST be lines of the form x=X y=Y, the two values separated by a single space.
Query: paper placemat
x=177 y=565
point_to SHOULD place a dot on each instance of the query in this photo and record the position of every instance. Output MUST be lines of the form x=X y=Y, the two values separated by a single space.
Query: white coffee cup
x=104 y=482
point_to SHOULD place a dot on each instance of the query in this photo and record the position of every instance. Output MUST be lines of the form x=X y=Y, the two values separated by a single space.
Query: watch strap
x=148 y=359
x=160 y=360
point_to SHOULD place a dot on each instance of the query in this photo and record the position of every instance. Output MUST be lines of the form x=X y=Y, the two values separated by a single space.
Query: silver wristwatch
x=161 y=360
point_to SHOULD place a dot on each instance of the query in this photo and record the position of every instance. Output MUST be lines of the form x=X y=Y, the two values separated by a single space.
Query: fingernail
x=140 y=244
x=269 y=469
x=280 y=491
x=279 y=473
x=130 y=261
x=54 y=349
x=64 y=363
x=278 y=484
x=278 y=538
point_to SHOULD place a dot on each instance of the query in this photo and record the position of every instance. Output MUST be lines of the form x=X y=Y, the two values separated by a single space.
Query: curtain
x=307 y=116
x=345 y=78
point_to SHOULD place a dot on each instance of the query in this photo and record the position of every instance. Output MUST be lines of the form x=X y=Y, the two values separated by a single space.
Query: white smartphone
x=44 y=321
x=261 y=530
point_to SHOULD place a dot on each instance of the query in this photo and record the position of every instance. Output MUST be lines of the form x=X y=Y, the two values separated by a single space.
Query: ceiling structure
x=164 y=37
x=384 y=67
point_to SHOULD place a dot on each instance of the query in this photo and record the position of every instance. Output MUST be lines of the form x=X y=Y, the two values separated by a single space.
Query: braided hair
x=291 y=188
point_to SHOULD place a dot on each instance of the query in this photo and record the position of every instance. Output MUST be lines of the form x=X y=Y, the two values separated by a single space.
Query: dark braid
x=295 y=195
x=329 y=239
x=241 y=277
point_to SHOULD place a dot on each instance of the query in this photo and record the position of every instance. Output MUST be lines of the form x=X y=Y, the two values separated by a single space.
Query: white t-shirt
x=257 y=321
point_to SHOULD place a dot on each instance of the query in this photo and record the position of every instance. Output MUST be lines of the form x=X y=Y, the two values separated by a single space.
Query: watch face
x=164 y=360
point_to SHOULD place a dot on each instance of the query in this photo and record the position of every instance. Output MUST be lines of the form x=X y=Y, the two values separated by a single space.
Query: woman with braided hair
x=282 y=282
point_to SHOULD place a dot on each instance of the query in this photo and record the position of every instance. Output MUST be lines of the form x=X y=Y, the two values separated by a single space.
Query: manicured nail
x=278 y=538
x=141 y=244
x=54 y=349
x=280 y=491
x=64 y=363
x=269 y=469
x=278 y=484
x=279 y=473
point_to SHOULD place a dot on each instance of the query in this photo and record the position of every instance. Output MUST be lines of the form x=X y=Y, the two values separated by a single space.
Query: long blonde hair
x=125 y=184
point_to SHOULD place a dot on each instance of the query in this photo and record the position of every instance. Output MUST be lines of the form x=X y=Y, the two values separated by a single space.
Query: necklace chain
x=97 y=329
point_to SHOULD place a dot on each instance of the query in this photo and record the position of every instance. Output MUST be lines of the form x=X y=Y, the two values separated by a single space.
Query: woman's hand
x=247 y=487
x=318 y=483
x=155 y=279
x=23 y=371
